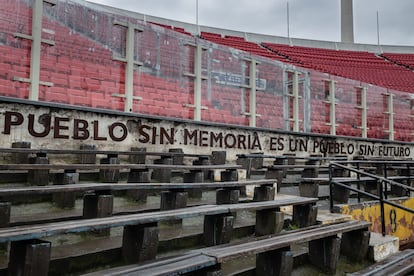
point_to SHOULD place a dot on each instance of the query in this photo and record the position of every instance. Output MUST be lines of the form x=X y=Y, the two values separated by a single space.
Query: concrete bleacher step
x=400 y=263
x=381 y=247
x=326 y=217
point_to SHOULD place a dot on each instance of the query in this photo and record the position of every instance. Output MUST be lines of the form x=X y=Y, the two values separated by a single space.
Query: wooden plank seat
x=273 y=254
x=114 y=166
x=178 y=265
x=140 y=235
x=98 y=198
x=39 y=174
x=84 y=187
x=103 y=152
x=75 y=226
x=175 y=156
x=400 y=263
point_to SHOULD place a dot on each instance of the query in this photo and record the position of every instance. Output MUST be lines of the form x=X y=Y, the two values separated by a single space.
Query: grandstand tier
x=79 y=69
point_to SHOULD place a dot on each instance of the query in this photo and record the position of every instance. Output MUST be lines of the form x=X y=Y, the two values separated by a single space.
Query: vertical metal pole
x=295 y=87
x=36 y=47
x=286 y=100
x=381 y=192
x=359 y=182
x=332 y=100
x=391 y=116
x=197 y=25
x=385 y=183
x=364 y=112
x=330 y=188
x=129 y=68
x=197 y=83
x=287 y=19
x=378 y=32
x=409 y=179
x=307 y=104
x=252 y=99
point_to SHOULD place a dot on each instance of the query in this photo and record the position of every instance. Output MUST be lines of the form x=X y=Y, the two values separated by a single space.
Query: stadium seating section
x=83 y=72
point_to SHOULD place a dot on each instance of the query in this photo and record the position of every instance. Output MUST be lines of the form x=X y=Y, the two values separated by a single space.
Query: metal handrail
x=383 y=181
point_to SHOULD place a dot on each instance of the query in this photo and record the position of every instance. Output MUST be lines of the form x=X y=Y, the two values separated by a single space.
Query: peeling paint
x=398 y=223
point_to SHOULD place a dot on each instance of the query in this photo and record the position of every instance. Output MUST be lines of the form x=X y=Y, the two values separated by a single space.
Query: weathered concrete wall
x=67 y=127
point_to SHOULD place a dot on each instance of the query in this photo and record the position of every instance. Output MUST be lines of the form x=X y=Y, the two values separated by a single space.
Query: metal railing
x=383 y=182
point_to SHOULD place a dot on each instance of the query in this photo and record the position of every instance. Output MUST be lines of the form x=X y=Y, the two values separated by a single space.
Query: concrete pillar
x=204 y=160
x=194 y=177
x=218 y=229
x=275 y=173
x=5 y=208
x=264 y=193
x=309 y=188
x=98 y=206
x=29 y=258
x=171 y=200
x=87 y=158
x=20 y=158
x=65 y=199
x=227 y=196
x=355 y=244
x=229 y=175
x=245 y=163
x=275 y=263
x=257 y=162
x=313 y=171
x=347 y=21
x=179 y=158
x=109 y=175
x=162 y=175
x=304 y=215
x=39 y=177
x=138 y=176
x=324 y=253
x=218 y=157
x=140 y=242
x=268 y=222
x=138 y=158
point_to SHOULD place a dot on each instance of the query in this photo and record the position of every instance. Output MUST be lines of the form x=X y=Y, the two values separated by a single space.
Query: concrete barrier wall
x=62 y=126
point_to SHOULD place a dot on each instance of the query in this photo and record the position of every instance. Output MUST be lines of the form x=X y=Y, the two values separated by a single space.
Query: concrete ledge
x=381 y=247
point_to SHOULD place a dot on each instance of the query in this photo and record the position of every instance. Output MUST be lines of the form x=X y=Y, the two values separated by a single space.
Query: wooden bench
x=98 y=197
x=80 y=152
x=273 y=254
x=401 y=263
x=88 y=156
x=140 y=235
x=110 y=172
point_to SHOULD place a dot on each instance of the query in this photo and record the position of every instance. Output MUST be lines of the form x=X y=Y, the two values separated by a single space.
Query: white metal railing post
x=36 y=38
x=391 y=116
x=295 y=92
x=36 y=47
x=252 y=86
x=129 y=66
x=198 y=83
x=364 y=122
x=198 y=78
x=252 y=99
x=332 y=106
